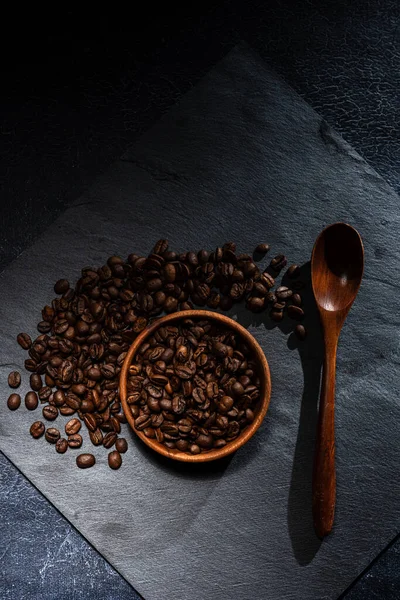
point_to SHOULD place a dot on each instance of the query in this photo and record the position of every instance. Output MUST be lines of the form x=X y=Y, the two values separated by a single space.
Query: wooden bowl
x=263 y=372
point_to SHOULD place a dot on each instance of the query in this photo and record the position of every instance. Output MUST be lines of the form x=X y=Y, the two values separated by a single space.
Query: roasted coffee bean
x=295 y=312
x=14 y=401
x=31 y=401
x=276 y=315
x=262 y=248
x=85 y=461
x=109 y=439
x=114 y=460
x=121 y=445
x=278 y=262
x=52 y=435
x=255 y=304
x=194 y=449
x=73 y=426
x=293 y=271
x=75 y=440
x=297 y=299
x=61 y=446
x=59 y=398
x=24 y=340
x=31 y=365
x=14 y=379
x=35 y=382
x=300 y=331
x=61 y=286
x=90 y=421
x=37 y=429
x=50 y=412
x=96 y=437
x=283 y=293
x=44 y=393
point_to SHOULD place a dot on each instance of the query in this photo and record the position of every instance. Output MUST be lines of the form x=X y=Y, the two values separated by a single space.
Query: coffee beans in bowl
x=195 y=386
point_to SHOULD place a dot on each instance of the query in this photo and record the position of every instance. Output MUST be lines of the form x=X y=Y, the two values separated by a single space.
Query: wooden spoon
x=337 y=265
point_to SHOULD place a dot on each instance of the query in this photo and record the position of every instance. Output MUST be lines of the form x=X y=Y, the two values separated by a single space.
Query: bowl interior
x=263 y=372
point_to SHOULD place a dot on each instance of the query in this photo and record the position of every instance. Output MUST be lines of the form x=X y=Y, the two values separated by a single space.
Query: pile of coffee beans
x=87 y=329
x=193 y=387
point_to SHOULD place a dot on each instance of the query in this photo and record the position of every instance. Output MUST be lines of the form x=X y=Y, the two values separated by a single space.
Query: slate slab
x=241 y=157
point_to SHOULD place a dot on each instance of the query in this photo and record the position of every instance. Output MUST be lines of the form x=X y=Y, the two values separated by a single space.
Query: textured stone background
x=74 y=96
x=212 y=170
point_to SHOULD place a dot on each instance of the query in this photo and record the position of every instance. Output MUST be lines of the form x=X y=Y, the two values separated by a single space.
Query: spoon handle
x=324 y=479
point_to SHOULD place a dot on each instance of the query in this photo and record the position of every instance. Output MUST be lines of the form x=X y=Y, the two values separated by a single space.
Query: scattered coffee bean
x=50 y=412
x=14 y=401
x=121 y=445
x=61 y=286
x=24 y=340
x=114 y=460
x=262 y=249
x=295 y=312
x=110 y=439
x=85 y=461
x=293 y=271
x=73 y=426
x=52 y=435
x=86 y=331
x=297 y=299
x=37 y=429
x=300 y=331
x=14 y=379
x=75 y=440
x=279 y=262
x=31 y=401
x=35 y=381
x=61 y=446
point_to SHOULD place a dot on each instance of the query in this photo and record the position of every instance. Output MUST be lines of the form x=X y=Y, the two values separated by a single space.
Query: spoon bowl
x=337 y=266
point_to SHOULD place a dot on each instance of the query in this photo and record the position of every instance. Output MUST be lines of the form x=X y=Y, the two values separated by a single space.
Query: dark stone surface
x=42 y=556
x=211 y=171
x=342 y=57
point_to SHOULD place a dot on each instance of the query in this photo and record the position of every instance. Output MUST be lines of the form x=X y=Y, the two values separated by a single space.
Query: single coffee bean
x=114 y=460
x=50 y=412
x=96 y=437
x=61 y=446
x=44 y=393
x=278 y=262
x=283 y=293
x=73 y=426
x=59 y=398
x=293 y=271
x=35 y=382
x=90 y=421
x=37 y=429
x=85 y=461
x=295 y=312
x=61 y=286
x=52 y=435
x=31 y=401
x=194 y=449
x=276 y=315
x=66 y=411
x=297 y=299
x=255 y=304
x=110 y=439
x=14 y=401
x=262 y=248
x=14 y=379
x=75 y=440
x=300 y=331
x=121 y=445
x=24 y=340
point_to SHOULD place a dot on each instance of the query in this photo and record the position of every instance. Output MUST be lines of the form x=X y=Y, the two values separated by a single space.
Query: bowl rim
x=265 y=383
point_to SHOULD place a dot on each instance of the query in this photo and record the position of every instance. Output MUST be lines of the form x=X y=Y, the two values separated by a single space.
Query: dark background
x=78 y=88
